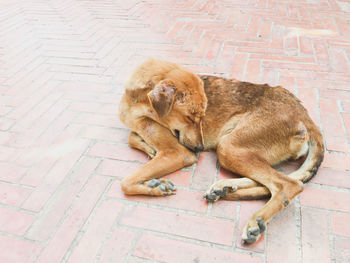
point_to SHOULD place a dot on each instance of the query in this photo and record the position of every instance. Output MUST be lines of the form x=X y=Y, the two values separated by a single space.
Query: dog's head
x=180 y=103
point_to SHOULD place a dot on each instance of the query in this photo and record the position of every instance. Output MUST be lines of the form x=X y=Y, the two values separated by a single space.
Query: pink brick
x=192 y=39
x=275 y=57
x=118 y=152
x=183 y=199
x=342 y=249
x=290 y=166
x=9 y=154
x=100 y=119
x=28 y=104
x=326 y=199
x=54 y=178
x=253 y=26
x=291 y=43
x=283 y=230
x=183 y=34
x=118 y=246
x=6 y=123
x=248 y=208
x=238 y=66
x=167 y=250
x=117 y=168
x=214 y=49
x=174 y=31
x=277 y=37
x=69 y=135
x=339 y=61
x=253 y=71
x=33 y=114
x=180 y=177
x=296 y=66
x=306 y=46
x=288 y=83
x=38 y=171
x=17 y=250
x=195 y=227
x=65 y=235
x=13 y=195
x=265 y=29
x=335 y=94
x=225 y=59
x=346 y=119
x=331 y=121
x=340 y=224
x=269 y=76
x=309 y=100
x=98 y=228
x=242 y=22
x=226 y=174
x=336 y=161
x=43 y=227
x=321 y=52
x=346 y=106
x=224 y=209
x=205 y=171
x=11 y=173
x=60 y=125
x=106 y=134
x=94 y=107
x=327 y=176
x=315 y=240
x=203 y=45
x=322 y=84
x=15 y=222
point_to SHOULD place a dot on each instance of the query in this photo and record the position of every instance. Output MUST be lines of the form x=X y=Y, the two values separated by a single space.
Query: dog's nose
x=198 y=148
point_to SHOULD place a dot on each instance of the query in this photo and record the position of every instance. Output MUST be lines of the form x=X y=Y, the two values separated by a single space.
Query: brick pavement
x=63 y=151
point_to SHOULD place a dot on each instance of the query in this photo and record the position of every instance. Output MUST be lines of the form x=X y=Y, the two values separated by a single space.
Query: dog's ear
x=162 y=97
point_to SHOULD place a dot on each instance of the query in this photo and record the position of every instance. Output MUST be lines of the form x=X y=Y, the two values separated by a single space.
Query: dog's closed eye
x=177 y=133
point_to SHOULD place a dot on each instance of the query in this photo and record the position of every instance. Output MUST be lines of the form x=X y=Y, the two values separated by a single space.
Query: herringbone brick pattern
x=63 y=150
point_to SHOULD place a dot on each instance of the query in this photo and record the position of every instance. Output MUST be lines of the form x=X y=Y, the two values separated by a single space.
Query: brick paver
x=63 y=150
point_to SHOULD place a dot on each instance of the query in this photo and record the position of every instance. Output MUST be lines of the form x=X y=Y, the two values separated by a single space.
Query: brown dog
x=252 y=127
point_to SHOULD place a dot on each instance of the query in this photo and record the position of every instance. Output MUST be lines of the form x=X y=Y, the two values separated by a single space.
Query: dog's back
x=277 y=122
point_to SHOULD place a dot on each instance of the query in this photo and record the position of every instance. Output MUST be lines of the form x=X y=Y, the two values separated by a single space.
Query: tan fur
x=172 y=112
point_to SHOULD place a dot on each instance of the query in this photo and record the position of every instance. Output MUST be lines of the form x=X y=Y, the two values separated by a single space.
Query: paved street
x=63 y=151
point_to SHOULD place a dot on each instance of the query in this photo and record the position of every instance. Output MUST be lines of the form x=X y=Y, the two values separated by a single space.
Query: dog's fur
x=172 y=112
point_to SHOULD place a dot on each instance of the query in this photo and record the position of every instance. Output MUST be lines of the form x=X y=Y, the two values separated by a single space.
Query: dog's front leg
x=170 y=156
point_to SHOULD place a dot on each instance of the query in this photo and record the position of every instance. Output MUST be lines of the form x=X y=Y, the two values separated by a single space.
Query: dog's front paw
x=253 y=230
x=218 y=190
x=165 y=186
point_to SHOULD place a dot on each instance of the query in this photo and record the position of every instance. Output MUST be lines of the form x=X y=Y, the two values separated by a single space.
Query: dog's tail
x=315 y=155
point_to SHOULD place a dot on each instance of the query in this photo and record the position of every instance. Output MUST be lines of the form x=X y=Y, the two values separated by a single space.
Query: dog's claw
x=153 y=183
x=211 y=197
x=171 y=186
x=221 y=193
x=252 y=234
x=215 y=194
x=261 y=224
x=162 y=187
x=165 y=186
x=249 y=240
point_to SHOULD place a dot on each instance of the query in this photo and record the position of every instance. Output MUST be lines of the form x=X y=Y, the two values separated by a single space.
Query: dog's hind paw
x=215 y=195
x=165 y=186
x=217 y=191
x=253 y=230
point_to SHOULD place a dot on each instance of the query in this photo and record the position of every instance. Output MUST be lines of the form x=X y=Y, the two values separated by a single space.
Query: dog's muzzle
x=198 y=148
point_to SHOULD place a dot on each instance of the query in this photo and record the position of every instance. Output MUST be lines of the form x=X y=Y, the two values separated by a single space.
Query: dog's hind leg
x=249 y=164
x=236 y=189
